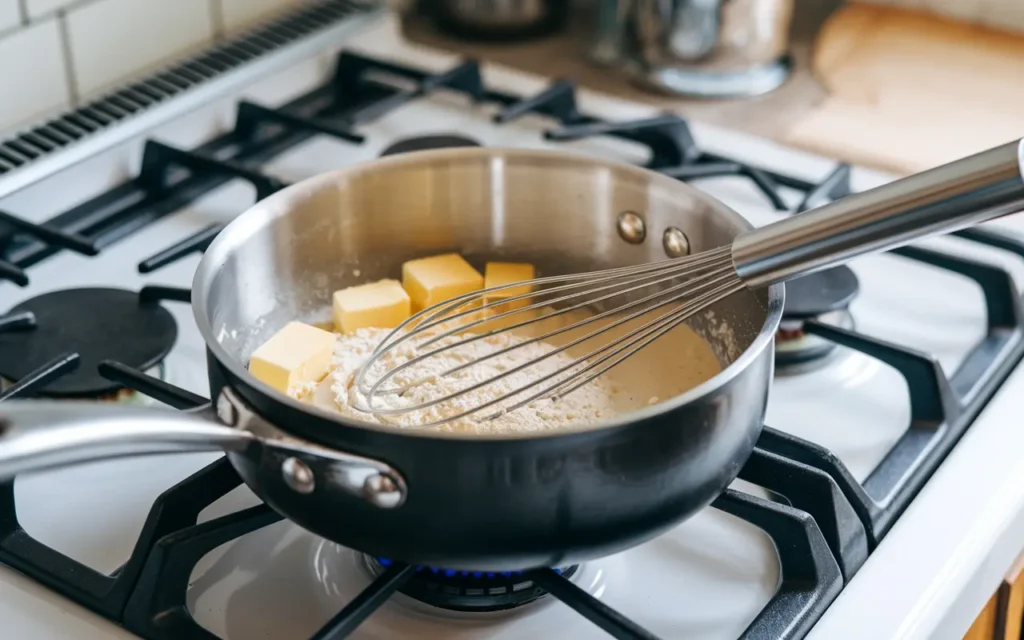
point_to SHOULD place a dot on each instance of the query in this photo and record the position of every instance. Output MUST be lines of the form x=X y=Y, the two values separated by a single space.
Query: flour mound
x=592 y=402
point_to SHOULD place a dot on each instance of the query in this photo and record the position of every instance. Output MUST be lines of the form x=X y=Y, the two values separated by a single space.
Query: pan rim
x=281 y=203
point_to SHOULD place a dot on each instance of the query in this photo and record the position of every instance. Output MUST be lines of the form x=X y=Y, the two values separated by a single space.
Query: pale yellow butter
x=430 y=281
x=498 y=274
x=295 y=357
x=384 y=305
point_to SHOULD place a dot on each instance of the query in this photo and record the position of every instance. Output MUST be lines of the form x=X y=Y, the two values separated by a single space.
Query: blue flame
x=451 y=573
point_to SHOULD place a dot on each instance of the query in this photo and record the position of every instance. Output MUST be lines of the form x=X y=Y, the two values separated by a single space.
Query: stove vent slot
x=121 y=104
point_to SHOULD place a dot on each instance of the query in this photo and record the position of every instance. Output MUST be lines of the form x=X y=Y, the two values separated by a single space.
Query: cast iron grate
x=169 y=83
x=147 y=595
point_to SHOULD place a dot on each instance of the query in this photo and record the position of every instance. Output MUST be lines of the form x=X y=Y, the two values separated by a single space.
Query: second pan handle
x=944 y=199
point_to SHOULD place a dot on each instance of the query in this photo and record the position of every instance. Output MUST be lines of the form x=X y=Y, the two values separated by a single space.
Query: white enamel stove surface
x=707 y=579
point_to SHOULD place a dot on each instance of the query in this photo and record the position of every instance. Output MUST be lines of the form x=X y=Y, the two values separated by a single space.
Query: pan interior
x=282 y=259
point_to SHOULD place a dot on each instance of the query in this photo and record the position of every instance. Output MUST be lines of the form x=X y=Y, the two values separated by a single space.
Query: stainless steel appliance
x=710 y=48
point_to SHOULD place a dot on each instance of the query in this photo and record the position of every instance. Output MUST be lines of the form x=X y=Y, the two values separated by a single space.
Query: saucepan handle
x=36 y=436
x=974 y=189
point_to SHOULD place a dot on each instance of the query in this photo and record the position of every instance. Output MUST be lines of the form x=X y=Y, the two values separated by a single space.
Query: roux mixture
x=671 y=365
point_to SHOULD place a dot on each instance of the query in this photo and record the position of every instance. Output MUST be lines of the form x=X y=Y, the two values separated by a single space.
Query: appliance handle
x=944 y=199
x=37 y=436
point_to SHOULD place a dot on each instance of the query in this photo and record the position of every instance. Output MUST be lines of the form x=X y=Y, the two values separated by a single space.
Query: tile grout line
x=72 y=5
x=217 y=19
x=23 y=11
x=69 y=60
x=18 y=28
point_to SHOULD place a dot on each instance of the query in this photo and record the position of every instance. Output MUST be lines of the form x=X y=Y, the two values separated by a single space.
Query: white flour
x=591 y=402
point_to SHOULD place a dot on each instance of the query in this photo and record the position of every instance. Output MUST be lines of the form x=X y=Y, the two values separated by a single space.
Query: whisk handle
x=950 y=197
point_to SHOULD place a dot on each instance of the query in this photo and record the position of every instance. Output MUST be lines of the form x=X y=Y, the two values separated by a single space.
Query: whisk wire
x=721 y=279
x=641 y=334
x=645 y=335
x=375 y=388
x=440 y=315
x=476 y=337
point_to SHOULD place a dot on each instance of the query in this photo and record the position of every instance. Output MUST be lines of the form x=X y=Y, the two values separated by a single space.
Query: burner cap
x=426 y=143
x=477 y=591
x=98 y=324
x=820 y=293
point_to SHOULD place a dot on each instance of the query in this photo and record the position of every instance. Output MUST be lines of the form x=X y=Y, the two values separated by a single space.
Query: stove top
x=882 y=368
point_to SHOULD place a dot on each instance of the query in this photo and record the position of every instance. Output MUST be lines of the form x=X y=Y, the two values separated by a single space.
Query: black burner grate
x=129 y=101
x=470 y=591
x=117 y=325
x=148 y=594
x=823 y=534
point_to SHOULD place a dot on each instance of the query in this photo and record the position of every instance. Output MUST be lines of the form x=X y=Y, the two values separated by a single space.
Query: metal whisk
x=968 y=191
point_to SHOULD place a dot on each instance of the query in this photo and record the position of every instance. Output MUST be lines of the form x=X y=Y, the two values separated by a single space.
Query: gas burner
x=820 y=293
x=824 y=296
x=470 y=591
x=426 y=143
x=96 y=323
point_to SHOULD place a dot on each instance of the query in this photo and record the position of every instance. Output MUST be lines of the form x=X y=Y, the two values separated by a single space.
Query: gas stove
x=885 y=479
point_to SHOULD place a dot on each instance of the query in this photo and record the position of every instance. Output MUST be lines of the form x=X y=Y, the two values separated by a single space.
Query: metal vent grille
x=51 y=137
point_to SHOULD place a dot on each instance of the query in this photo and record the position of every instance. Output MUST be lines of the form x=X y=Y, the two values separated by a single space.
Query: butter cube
x=294 y=359
x=433 y=280
x=497 y=274
x=383 y=305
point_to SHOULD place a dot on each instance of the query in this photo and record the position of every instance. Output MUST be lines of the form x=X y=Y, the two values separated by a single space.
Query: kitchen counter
x=891 y=89
x=564 y=56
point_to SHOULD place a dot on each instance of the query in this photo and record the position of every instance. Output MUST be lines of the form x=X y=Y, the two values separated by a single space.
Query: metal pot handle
x=36 y=436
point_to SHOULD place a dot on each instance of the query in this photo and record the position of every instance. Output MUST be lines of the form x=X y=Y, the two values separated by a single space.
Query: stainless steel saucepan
x=474 y=502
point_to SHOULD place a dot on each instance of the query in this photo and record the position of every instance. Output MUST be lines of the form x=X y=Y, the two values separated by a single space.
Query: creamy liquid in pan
x=671 y=365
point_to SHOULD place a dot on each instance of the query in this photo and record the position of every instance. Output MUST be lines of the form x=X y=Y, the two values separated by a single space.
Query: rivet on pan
x=382 y=490
x=226 y=410
x=675 y=242
x=631 y=227
x=298 y=476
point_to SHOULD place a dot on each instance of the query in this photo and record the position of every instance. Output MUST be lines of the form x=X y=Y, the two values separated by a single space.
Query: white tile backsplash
x=56 y=54
x=112 y=40
x=39 y=8
x=10 y=15
x=237 y=15
x=33 y=79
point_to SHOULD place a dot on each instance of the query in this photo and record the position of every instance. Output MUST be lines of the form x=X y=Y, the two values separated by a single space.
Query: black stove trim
x=817 y=493
x=104 y=594
x=128 y=328
x=761 y=180
x=123 y=103
x=61 y=365
x=942 y=408
x=362 y=90
x=18 y=321
x=810 y=578
x=197 y=243
x=159 y=161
